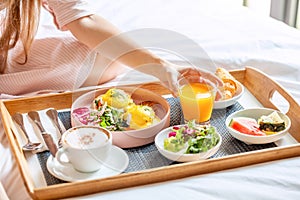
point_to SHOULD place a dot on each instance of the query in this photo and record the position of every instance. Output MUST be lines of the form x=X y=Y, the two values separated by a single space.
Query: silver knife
x=34 y=116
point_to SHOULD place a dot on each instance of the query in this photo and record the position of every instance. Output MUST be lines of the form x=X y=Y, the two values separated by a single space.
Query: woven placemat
x=147 y=156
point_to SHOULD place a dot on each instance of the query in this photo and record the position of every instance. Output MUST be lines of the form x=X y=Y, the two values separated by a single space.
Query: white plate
x=181 y=156
x=116 y=164
x=256 y=113
x=228 y=102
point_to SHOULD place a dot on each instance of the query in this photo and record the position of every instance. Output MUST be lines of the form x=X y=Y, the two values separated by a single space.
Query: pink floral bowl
x=130 y=138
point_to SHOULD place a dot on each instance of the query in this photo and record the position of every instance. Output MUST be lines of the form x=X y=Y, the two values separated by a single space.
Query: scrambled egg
x=117 y=98
x=140 y=116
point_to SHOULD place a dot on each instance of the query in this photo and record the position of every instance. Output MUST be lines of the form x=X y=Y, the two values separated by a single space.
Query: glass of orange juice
x=197 y=96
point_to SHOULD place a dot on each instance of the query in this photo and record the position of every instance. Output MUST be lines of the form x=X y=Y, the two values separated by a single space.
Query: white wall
x=261 y=7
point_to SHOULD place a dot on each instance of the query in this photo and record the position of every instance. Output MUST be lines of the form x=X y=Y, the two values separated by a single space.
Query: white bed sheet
x=232 y=38
x=275 y=180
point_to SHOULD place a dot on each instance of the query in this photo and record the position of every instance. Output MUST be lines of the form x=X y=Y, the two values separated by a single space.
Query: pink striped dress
x=57 y=61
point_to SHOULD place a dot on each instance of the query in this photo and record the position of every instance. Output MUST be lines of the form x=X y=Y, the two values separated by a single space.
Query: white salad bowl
x=181 y=156
x=256 y=113
x=220 y=104
x=130 y=138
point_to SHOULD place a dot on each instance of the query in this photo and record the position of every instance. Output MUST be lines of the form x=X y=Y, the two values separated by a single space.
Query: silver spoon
x=53 y=115
x=29 y=146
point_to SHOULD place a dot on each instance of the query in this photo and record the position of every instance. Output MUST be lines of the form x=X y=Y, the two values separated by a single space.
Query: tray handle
x=272 y=95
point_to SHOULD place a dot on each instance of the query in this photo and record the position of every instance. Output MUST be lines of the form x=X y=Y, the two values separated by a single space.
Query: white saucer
x=116 y=164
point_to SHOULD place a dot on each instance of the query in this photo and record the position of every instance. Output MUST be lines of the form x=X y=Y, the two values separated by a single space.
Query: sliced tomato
x=246 y=125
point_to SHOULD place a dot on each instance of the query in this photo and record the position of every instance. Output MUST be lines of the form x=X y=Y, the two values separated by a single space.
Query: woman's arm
x=93 y=30
x=96 y=32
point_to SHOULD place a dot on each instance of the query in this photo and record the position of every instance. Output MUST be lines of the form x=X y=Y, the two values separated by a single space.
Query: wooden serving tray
x=258 y=83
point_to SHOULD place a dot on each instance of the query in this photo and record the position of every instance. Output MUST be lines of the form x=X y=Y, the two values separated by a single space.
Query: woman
x=18 y=31
x=30 y=65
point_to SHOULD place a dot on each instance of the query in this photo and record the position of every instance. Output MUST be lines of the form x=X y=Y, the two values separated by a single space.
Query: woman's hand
x=171 y=73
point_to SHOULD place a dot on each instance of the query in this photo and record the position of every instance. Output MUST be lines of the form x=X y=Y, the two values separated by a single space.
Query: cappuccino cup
x=86 y=148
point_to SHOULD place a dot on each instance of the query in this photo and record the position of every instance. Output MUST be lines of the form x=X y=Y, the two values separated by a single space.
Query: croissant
x=230 y=87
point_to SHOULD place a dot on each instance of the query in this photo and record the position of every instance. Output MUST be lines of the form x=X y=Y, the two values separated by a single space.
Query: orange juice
x=197 y=101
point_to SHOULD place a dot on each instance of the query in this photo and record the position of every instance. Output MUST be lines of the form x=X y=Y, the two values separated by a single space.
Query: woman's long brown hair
x=20 y=22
